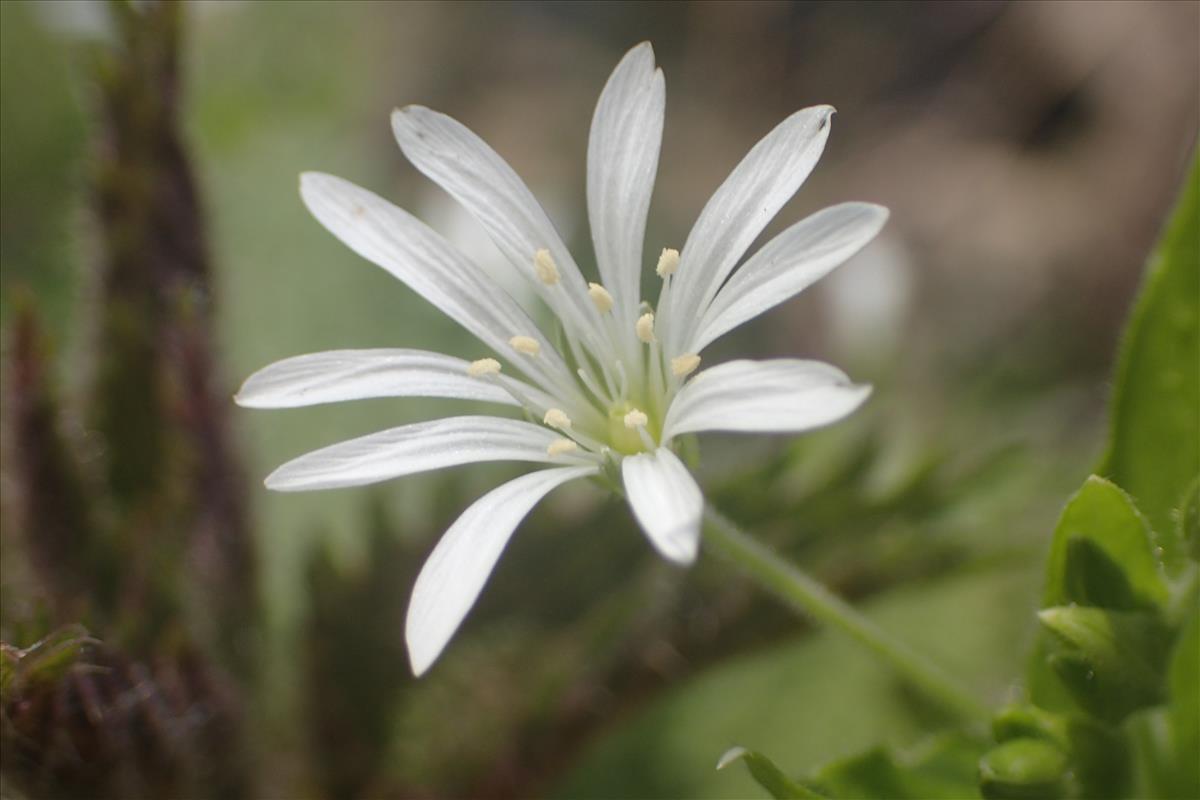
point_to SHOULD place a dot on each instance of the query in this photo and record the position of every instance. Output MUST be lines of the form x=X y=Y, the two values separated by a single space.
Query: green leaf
x=1112 y=662
x=1154 y=447
x=1024 y=768
x=1183 y=688
x=1102 y=554
x=769 y=776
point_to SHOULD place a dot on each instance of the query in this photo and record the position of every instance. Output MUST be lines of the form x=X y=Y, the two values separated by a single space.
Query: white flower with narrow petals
x=629 y=378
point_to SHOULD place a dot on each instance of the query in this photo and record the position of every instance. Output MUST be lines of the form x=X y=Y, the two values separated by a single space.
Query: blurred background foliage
x=228 y=642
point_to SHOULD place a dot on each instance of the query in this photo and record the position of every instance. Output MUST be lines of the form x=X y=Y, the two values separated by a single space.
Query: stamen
x=593 y=388
x=525 y=344
x=645 y=328
x=557 y=418
x=647 y=442
x=484 y=366
x=544 y=266
x=684 y=365
x=636 y=419
x=561 y=447
x=668 y=262
x=622 y=380
x=600 y=296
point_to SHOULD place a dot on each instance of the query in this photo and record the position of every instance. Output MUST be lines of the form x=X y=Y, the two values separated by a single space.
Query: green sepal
x=1025 y=768
x=944 y=768
x=1112 y=662
x=1098 y=753
x=1030 y=722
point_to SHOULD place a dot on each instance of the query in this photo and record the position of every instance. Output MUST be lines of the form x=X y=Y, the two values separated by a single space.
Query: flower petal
x=781 y=395
x=448 y=153
x=666 y=501
x=788 y=264
x=463 y=559
x=748 y=199
x=337 y=375
x=395 y=240
x=623 y=153
x=418 y=447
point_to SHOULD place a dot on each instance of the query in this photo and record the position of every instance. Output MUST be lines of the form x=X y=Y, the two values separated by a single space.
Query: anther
x=684 y=365
x=635 y=419
x=668 y=262
x=561 y=447
x=525 y=344
x=557 y=418
x=484 y=366
x=600 y=296
x=645 y=328
x=544 y=266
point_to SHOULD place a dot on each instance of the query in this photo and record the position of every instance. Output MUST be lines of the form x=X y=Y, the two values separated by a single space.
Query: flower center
x=628 y=429
x=594 y=408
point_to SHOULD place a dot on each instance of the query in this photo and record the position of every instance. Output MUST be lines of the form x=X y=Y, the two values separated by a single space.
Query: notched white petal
x=622 y=160
x=419 y=447
x=403 y=245
x=456 y=571
x=338 y=375
x=788 y=264
x=455 y=158
x=739 y=210
x=666 y=502
x=776 y=396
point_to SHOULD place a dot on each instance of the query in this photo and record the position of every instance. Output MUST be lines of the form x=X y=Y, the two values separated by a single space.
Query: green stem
x=807 y=595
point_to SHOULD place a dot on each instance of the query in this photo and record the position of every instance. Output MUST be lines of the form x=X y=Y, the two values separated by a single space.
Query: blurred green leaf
x=1024 y=768
x=41 y=153
x=1183 y=690
x=769 y=776
x=667 y=750
x=1112 y=662
x=1154 y=451
x=944 y=768
x=1189 y=522
x=1102 y=553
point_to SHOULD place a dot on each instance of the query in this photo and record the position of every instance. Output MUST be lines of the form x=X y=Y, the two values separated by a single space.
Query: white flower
x=625 y=384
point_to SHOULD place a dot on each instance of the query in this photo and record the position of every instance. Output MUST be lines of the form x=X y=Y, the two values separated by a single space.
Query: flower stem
x=804 y=593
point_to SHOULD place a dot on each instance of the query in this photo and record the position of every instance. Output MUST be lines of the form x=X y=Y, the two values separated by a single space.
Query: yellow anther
x=557 y=418
x=635 y=419
x=560 y=447
x=544 y=266
x=525 y=344
x=684 y=365
x=645 y=327
x=600 y=297
x=668 y=262
x=484 y=366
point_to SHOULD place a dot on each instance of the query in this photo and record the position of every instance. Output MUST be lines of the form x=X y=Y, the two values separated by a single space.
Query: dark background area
x=154 y=252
